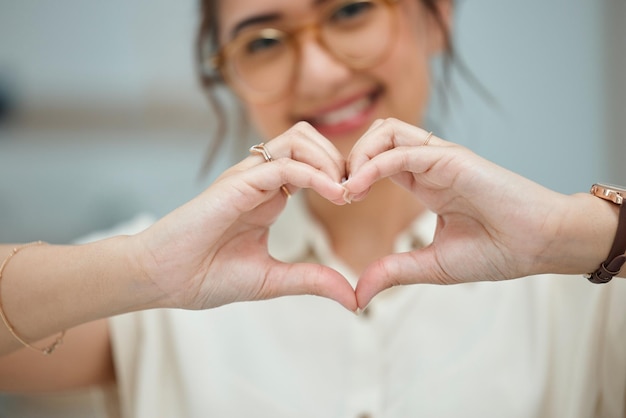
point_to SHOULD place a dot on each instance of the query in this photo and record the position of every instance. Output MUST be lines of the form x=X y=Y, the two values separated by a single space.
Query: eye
x=261 y=44
x=352 y=11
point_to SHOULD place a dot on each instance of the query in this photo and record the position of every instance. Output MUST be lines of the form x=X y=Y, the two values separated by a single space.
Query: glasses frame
x=219 y=62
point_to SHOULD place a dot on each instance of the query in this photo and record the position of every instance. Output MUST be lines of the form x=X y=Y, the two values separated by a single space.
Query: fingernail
x=346 y=195
x=358 y=311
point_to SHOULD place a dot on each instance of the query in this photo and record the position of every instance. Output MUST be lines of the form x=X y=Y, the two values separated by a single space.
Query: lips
x=347 y=116
x=344 y=113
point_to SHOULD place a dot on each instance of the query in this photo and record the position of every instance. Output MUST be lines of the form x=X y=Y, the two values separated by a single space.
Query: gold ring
x=428 y=137
x=261 y=150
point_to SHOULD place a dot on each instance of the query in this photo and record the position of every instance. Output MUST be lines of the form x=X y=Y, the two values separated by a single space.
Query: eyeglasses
x=262 y=64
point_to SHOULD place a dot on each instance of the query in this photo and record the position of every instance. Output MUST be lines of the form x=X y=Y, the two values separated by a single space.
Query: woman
x=528 y=348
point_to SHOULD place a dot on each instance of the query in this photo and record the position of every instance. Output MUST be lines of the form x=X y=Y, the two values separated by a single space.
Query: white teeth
x=344 y=113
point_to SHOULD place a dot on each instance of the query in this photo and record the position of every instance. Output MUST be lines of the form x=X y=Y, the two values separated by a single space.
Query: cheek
x=407 y=72
x=411 y=91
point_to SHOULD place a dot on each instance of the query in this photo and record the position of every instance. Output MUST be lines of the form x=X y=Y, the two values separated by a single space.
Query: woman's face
x=340 y=102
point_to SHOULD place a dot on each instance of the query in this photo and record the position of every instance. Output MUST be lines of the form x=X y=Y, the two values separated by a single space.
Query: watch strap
x=617 y=257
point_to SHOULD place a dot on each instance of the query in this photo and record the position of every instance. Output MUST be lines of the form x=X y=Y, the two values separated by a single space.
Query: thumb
x=309 y=279
x=419 y=266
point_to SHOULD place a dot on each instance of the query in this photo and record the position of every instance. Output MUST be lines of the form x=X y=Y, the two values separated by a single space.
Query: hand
x=213 y=250
x=492 y=224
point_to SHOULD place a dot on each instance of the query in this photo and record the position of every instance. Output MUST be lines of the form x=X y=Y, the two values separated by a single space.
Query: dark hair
x=207 y=43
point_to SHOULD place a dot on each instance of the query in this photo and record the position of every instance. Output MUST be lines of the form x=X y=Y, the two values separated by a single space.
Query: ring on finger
x=261 y=150
x=427 y=139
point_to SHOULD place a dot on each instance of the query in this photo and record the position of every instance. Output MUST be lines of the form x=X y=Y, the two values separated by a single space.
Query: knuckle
x=303 y=124
x=302 y=128
x=299 y=133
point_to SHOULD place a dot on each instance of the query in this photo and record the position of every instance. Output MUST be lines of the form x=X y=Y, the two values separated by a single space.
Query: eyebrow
x=264 y=18
x=253 y=20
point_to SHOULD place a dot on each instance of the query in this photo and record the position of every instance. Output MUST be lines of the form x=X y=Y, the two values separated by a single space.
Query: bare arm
x=84 y=360
x=190 y=259
x=46 y=289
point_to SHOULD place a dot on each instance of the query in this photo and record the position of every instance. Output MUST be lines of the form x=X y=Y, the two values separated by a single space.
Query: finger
x=386 y=135
x=437 y=167
x=398 y=269
x=308 y=279
x=305 y=131
x=347 y=196
x=259 y=183
x=304 y=143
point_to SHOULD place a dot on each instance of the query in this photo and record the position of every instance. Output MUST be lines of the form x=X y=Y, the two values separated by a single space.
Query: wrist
x=111 y=276
x=616 y=258
x=589 y=228
x=141 y=270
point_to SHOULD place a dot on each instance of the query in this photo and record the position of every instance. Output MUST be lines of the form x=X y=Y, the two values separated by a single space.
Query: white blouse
x=537 y=347
x=546 y=346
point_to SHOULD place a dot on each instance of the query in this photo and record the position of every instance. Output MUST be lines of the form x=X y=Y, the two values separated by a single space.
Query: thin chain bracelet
x=59 y=340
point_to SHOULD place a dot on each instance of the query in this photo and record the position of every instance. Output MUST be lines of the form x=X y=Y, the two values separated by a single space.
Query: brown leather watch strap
x=617 y=256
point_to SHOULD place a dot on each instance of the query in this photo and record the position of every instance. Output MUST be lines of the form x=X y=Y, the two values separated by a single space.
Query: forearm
x=47 y=288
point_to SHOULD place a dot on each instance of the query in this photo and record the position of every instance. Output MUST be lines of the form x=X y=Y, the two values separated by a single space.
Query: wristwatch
x=614 y=262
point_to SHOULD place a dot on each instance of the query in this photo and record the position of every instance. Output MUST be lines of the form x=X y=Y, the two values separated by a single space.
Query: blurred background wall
x=103 y=117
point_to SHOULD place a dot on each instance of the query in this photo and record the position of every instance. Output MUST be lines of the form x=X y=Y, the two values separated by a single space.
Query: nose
x=318 y=72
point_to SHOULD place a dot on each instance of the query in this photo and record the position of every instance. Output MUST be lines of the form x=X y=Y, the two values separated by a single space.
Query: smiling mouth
x=345 y=114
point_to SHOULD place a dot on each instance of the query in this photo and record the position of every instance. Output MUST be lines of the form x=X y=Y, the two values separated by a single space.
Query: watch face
x=615 y=194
